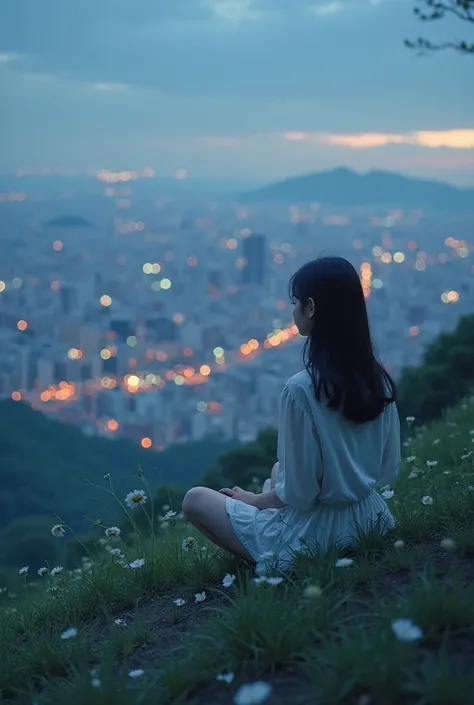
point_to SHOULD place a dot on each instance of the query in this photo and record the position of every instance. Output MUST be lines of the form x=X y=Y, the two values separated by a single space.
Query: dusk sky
x=232 y=89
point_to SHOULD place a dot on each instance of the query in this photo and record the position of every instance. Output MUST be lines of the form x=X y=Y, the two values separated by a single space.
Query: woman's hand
x=240 y=494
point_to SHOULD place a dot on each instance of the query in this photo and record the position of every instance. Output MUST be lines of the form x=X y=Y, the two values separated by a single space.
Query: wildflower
x=344 y=562
x=58 y=531
x=388 y=494
x=170 y=514
x=107 y=476
x=410 y=420
x=411 y=458
x=447 y=472
x=225 y=677
x=95 y=682
x=260 y=579
x=200 y=596
x=69 y=633
x=113 y=532
x=399 y=544
x=138 y=563
x=406 y=630
x=274 y=581
x=179 y=602
x=228 y=580
x=56 y=571
x=412 y=475
x=116 y=552
x=120 y=622
x=252 y=693
x=427 y=500
x=466 y=455
x=87 y=565
x=313 y=592
x=24 y=570
x=136 y=673
x=43 y=571
x=135 y=498
x=189 y=544
x=436 y=441
x=431 y=463
x=448 y=544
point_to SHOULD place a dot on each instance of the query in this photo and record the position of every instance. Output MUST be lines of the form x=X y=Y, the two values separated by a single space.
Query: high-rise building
x=254 y=252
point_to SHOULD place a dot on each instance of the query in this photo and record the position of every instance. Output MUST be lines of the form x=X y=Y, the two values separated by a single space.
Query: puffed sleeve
x=299 y=454
x=392 y=452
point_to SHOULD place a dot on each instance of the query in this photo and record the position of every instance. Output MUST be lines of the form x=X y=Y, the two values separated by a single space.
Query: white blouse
x=329 y=471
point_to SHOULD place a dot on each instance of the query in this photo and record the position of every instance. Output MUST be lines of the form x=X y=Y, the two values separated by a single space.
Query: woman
x=338 y=437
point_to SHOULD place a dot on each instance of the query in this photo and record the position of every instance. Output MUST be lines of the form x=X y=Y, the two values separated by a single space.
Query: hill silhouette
x=343 y=187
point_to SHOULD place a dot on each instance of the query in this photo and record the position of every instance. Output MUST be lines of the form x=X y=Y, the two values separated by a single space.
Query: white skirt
x=273 y=536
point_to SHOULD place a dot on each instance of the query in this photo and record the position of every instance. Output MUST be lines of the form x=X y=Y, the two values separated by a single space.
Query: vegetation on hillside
x=445 y=375
x=170 y=618
x=43 y=465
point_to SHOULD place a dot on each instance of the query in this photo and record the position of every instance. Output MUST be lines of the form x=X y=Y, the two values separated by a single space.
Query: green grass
x=323 y=636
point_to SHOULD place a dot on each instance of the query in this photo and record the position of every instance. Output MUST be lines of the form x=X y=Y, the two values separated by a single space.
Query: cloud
x=453 y=139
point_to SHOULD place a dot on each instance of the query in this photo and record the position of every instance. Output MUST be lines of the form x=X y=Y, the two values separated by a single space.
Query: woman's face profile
x=303 y=316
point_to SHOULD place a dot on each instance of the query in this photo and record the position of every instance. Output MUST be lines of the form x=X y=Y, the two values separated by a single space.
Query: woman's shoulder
x=300 y=381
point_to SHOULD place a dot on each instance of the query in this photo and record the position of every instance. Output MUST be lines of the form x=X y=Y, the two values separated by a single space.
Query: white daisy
x=136 y=673
x=170 y=514
x=427 y=500
x=260 y=579
x=43 y=571
x=436 y=441
x=431 y=463
x=200 y=596
x=69 y=633
x=189 y=544
x=135 y=498
x=406 y=630
x=313 y=592
x=138 y=563
x=344 y=562
x=56 y=571
x=225 y=677
x=274 y=581
x=413 y=476
x=112 y=532
x=58 y=530
x=228 y=580
x=252 y=693
x=179 y=602
x=411 y=458
x=448 y=544
x=120 y=622
x=24 y=570
x=410 y=420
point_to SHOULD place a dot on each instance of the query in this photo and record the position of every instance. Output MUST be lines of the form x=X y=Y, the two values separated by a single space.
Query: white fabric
x=330 y=469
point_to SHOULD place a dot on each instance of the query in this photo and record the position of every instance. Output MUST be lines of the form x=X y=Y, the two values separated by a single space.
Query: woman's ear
x=311 y=308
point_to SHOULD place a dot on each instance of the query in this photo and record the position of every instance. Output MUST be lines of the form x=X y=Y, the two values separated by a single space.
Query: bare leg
x=205 y=509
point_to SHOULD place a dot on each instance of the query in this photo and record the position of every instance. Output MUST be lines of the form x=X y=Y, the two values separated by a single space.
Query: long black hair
x=339 y=353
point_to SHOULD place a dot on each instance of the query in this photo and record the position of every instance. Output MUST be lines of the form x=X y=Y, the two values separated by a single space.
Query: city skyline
x=207 y=87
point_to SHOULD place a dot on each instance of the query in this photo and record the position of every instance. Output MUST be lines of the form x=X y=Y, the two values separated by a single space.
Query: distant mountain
x=343 y=187
x=69 y=221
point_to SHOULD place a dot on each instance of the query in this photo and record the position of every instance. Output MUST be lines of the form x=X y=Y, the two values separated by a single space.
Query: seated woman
x=338 y=436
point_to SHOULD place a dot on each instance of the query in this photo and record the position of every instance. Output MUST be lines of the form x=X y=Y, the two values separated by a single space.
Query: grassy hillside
x=393 y=624
x=43 y=464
